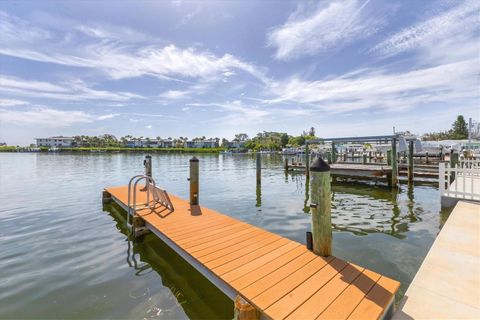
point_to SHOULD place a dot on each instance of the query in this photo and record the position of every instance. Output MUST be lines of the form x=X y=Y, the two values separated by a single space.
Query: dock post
x=307 y=160
x=410 y=162
x=320 y=208
x=106 y=196
x=345 y=157
x=194 y=181
x=259 y=168
x=286 y=164
x=389 y=157
x=364 y=158
x=426 y=157
x=334 y=153
x=394 y=163
x=147 y=163
x=244 y=310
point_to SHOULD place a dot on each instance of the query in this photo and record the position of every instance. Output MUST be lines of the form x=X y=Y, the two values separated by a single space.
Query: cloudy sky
x=184 y=68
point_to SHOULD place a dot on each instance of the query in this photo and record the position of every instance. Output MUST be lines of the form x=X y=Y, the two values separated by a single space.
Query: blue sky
x=182 y=68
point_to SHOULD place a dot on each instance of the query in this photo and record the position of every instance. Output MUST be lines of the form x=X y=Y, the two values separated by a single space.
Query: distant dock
x=279 y=277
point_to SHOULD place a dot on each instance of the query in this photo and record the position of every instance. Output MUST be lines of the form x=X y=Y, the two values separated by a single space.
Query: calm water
x=63 y=255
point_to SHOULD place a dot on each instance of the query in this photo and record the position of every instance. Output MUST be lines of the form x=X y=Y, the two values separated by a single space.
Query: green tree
x=284 y=140
x=459 y=129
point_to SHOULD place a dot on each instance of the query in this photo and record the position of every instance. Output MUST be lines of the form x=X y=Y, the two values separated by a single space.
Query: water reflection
x=197 y=297
x=362 y=209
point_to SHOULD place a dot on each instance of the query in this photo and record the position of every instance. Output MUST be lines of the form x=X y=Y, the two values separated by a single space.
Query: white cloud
x=174 y=94
x=459 y=23
x=149 y=126
x=71 y=91
x=48 y=117
x=12 y=102
x=113 y=53
x=336 y=24
x=108 y=116
x=453 y=84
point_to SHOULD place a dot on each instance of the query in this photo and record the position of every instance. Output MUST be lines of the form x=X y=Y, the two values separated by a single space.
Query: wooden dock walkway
x=353 y=170
x=447 y=285
x=281 y=278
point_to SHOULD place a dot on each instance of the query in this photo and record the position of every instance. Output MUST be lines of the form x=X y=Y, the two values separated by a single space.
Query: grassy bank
x=123 y=150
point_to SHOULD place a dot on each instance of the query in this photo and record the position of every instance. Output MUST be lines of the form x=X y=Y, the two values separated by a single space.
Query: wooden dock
x=447 y=285
x=278 y=276
x=353 y=170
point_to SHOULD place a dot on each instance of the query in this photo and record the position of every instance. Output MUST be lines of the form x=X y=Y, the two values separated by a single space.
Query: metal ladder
x=156 y=194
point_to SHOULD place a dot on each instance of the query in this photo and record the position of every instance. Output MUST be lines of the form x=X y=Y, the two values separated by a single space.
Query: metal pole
x=194 y=181
x=321 y=208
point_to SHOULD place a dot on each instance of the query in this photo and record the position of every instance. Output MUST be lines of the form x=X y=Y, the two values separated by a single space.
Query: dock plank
x=280 y=277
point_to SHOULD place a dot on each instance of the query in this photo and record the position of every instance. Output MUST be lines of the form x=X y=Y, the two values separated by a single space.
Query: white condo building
x=55 y=142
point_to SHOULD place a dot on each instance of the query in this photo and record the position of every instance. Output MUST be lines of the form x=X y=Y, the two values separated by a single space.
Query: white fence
x=460 y=182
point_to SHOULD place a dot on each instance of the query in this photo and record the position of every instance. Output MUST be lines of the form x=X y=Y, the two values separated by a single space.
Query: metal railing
x=460 y=181
x=158 y=196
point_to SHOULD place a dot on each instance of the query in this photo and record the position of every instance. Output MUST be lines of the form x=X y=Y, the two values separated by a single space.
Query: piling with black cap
x=147 y=164
x=321 y=208
x=194 y=181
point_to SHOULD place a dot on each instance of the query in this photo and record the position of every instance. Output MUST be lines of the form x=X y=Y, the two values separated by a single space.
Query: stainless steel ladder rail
x=159 y=196
x=131 y=209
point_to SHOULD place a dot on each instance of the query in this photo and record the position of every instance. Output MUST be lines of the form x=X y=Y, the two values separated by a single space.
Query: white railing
x=462 y=181
x=466 y=163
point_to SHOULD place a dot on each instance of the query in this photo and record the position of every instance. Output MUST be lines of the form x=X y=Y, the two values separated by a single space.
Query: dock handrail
x=137 y=179
x=159 y=196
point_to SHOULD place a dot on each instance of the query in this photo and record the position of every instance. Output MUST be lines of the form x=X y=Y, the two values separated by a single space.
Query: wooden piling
x=364 y=158
x=194 y=181
x=394 y=163
x=244 y=310
x=307 y=160
x=389 y=157
x=426 y=157
x=321 y=208
x=334 y=153
x=286 y=164
x=259 y=168
x=106 y=197
x=410 y=162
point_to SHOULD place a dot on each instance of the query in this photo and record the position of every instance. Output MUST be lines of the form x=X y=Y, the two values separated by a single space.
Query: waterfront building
x=59 y=142
x=210 y=143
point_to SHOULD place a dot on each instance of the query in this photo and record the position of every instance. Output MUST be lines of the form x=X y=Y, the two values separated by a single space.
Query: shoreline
x=113 y=150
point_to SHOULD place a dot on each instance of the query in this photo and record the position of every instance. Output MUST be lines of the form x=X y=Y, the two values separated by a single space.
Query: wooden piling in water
x=321 y=208
x=286 y=164
x=259 y=168
x=334 y=153
x=364 y=158
x=394 y=163
x=426 y=157
x=307 y=160
x=389 y=157
x=410 y=162
x=194 y=181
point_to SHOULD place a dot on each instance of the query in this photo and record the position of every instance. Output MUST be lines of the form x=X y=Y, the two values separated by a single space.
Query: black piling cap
x=319 y=166
x=194 y=159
